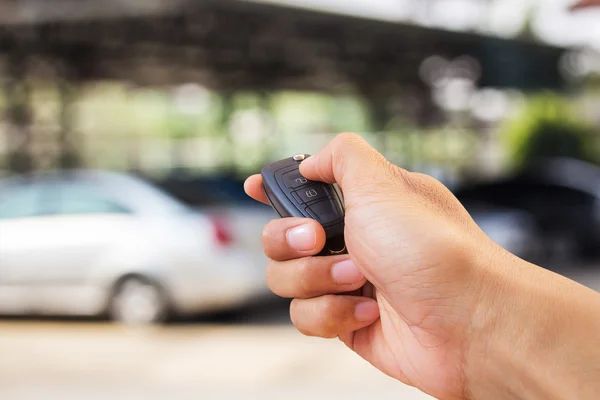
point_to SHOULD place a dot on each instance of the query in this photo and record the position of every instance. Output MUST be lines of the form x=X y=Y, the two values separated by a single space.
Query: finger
x=583 y=4
x=333 y=315
x=253 y=188
x=289 y=238
x=347 y=159
x=314 y=276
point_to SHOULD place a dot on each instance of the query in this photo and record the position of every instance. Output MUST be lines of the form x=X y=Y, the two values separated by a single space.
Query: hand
x=409 y=236
x=450 y=305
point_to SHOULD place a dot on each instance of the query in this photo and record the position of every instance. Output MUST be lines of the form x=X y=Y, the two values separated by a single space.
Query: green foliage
x=548 y=127
x=176 y=124
x=302 y=113
x=348 y=113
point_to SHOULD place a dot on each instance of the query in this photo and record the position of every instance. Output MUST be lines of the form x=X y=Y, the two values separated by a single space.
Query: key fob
x=292 y=195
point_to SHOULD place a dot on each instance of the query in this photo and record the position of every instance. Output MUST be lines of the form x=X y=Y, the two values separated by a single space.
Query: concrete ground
x=49 y=360
x=259 y=356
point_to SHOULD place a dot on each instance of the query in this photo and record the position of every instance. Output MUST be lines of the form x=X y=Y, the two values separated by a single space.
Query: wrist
x=500 y=329
x=525 y=327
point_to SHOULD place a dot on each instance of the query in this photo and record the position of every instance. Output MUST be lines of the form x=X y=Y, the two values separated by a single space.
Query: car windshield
x=114 y=190
x=143 y=195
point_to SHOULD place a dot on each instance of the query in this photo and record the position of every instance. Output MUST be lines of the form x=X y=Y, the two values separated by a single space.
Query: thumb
x=347 y=160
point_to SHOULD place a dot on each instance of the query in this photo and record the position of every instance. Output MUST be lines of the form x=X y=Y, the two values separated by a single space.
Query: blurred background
x=130 y=257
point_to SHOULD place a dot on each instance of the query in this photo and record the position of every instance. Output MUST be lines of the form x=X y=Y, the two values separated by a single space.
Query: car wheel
x=138 y=301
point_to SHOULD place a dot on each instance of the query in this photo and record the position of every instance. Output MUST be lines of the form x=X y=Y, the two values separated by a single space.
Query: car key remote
x=292 y=195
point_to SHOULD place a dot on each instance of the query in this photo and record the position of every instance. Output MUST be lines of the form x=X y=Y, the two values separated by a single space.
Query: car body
x=84 y=242
x=561 y=199
x=512 y=229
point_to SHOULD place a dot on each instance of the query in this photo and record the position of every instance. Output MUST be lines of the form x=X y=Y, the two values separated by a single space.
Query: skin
x=455 y=315
x=583 y=4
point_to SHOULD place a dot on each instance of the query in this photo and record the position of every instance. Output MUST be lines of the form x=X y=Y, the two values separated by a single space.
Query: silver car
x=91 y=242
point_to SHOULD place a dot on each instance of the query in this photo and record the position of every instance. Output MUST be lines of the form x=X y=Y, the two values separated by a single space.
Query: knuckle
x=326 y=318
x=437 y=195
x=314 y=319
x=272 y=278
x=415 y=182
x=306 y=279
x=348 y=143
x=426 y=180
x=347 y=138
x=398 y=174
x=348 y=147
x=428 y=186
x=354 y=141
x=325 y=310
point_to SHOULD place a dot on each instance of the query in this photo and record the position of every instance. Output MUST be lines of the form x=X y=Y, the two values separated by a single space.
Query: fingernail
x=367 y=311
x=302 y=238
x=345 y=273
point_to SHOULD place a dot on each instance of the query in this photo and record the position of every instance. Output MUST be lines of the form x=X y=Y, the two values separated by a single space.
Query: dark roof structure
x=232 y=45
x=238 y=45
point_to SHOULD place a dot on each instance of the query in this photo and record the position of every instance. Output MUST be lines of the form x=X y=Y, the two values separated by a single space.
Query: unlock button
x=295 y=180
x=312 y=193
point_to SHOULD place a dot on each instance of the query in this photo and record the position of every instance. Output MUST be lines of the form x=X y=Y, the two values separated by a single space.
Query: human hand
x=409 y=236
x=449 y=300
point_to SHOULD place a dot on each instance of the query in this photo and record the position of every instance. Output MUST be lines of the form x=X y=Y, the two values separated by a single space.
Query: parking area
x=89 y=360
x=256 y=355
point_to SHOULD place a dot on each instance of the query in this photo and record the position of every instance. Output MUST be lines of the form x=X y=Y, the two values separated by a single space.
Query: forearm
x=536 y=337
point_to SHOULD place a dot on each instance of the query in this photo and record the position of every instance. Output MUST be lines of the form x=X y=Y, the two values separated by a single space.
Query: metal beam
x=243 y=45
x=21 y=12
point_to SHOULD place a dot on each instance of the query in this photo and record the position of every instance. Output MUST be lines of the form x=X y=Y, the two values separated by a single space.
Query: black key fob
x=292 y=195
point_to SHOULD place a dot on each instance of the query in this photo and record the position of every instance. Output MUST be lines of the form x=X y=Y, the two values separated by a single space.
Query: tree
x=548 y=127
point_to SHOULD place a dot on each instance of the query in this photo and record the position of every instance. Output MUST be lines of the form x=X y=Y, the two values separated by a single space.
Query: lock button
x=310 y=194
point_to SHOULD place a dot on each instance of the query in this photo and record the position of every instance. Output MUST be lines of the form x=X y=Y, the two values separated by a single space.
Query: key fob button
x=326 y=212
x=294 y=180
x=292 y=195
x=312 y=193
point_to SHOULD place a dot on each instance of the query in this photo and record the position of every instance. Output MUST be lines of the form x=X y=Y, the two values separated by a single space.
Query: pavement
x=256 y=355
x=55 y=360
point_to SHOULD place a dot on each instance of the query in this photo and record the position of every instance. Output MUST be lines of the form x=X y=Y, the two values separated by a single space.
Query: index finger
x=253 y=188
